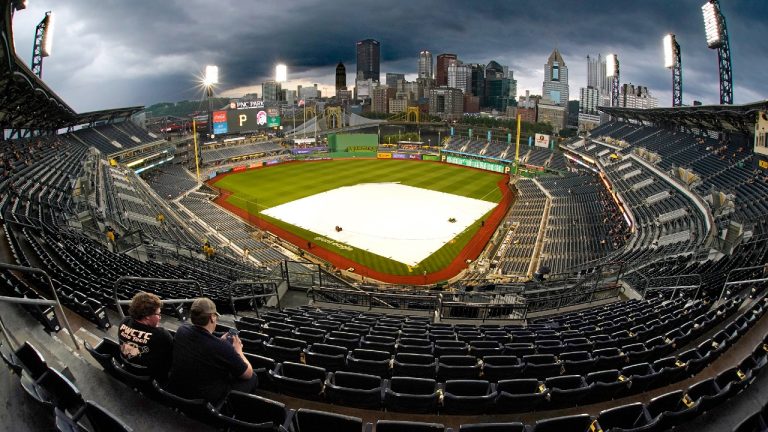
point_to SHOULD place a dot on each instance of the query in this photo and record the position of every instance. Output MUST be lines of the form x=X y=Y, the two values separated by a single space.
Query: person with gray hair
x=143 y=343
x=205 y=366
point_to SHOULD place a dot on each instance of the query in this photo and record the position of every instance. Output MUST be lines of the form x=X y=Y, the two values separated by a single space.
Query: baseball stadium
x=399 y=272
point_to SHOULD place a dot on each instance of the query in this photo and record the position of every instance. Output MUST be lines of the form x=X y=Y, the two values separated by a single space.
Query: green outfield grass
x=268 y=187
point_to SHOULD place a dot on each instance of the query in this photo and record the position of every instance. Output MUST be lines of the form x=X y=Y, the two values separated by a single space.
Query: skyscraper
x=441 y=69
x=555 y=87
x=425 y=64
x=341 y=77
x=596 y=75
x=477 y=80
x=458 y=76
x=368 y=59
x=393 y=78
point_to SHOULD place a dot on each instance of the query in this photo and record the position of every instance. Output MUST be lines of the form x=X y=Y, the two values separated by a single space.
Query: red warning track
x=470 y=252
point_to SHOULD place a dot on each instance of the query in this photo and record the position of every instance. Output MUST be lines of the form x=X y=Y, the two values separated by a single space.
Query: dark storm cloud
x=118 y=53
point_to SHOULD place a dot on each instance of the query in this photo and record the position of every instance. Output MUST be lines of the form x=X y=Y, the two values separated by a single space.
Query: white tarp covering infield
x=403 y=223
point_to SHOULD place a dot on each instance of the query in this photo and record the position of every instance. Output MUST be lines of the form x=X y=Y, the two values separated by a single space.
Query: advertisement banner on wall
x=238 y=168
x=220 y=122
x=383 y=155
x=405 y=156
x=430 y=157
x=542 y=140
x=273 y=121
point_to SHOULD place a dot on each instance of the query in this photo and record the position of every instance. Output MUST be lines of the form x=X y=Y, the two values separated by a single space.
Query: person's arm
x=238 y=345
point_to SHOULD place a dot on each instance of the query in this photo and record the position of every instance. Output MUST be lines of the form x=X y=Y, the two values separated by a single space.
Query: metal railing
x=122 y=279
x=686 y=282
x=252 y=284
x=55 y=302
x=482 y=311
x=376 y=299
x=729 y=283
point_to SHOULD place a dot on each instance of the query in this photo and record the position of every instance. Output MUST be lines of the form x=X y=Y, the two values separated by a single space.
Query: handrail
x=119 y=302
x=55 y=302
x=232 y=298
x=728 y=278
x=674 y=286
x=371 y=296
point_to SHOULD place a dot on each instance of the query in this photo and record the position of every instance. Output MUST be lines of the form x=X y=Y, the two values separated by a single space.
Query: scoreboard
x=244 y=120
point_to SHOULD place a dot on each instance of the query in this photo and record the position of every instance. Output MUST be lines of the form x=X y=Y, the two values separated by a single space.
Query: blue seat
x=299 y=380
x=629 y=417
x=408 y=394
x=355 y=389
x=520 y=395
x=308 y=420
x=92 y=417
x=468 y=397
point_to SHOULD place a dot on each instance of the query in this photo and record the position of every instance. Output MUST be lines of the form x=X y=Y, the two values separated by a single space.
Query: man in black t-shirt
x=206 y=366
x=142 y=342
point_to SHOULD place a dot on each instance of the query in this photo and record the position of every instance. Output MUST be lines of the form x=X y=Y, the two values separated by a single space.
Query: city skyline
x=113 y=54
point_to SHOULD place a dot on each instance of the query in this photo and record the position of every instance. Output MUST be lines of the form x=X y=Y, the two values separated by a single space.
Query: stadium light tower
x=612 y=71
x=281 y=73
x=672 y=61
x=43 y=43
x=717 y=38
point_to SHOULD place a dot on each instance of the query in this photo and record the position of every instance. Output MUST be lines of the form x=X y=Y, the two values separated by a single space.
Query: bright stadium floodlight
x=669 y=50
x=211 y=75
x=712 y=25
x=717 y=38
x=610 y=65
x=48 y=35
x=281 y=73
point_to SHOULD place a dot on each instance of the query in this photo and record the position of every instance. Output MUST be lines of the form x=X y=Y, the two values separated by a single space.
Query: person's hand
x=237 y=344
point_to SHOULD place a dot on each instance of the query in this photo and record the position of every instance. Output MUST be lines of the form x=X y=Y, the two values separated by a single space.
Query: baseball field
x=278 y=187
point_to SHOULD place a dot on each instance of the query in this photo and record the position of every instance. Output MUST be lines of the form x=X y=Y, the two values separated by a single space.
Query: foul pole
x=197 y=159
x=517 y=146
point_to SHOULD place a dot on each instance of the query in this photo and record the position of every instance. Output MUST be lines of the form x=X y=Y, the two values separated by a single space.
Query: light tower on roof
x=672 y=61
x=717 y=38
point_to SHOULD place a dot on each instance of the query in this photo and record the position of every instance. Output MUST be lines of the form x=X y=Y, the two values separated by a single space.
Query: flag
x=301 y=102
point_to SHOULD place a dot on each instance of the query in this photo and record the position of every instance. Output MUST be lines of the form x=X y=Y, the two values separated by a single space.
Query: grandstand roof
x=26 y=101
x=107 y=115
x=733 y=118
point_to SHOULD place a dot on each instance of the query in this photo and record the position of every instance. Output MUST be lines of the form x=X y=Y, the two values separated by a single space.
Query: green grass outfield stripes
x=279 y=184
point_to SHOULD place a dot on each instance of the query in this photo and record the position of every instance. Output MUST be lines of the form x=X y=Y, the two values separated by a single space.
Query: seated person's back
x=205 y=366
x=142 y=342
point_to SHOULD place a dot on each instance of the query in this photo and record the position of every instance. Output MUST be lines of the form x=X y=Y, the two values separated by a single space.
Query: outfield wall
x=353 y=142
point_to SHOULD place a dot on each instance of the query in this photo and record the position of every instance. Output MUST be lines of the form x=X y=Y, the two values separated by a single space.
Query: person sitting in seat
x=205 y=366
x=143 y=342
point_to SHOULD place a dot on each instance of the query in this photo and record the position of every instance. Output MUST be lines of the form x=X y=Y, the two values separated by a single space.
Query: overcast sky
x=116 y=53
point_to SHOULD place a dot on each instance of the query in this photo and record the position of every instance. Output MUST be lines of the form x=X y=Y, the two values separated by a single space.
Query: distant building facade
x=555 y=86
x=393 y=78
x=271 y=91
x=553 y=113
x=441 y=68
x=425 y=64
x=381 y=97
x=341 y=77
x=632 y=96
x=368 y=59
x=458 y=76
x=446 y=103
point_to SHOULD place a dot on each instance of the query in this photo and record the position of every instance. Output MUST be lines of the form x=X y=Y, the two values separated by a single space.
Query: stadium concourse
x=625 y=289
